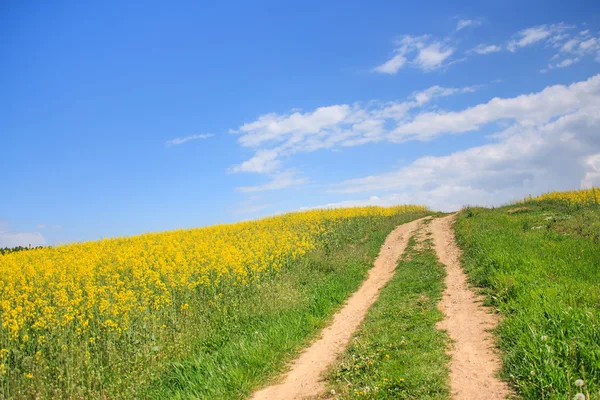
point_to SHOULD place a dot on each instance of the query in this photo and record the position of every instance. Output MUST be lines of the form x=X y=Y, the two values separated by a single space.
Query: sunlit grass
x=539 y=263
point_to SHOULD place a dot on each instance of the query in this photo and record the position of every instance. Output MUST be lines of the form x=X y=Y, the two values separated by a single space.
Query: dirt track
x=474 y=362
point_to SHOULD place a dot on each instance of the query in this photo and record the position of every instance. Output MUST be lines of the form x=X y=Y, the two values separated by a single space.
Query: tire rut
x=474 y=363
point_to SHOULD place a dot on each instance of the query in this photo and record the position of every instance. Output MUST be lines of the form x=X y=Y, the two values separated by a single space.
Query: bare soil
x=304 y=377
x=474 y=362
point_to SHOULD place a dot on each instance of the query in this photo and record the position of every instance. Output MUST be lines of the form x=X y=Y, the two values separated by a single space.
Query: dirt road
x=474 y=362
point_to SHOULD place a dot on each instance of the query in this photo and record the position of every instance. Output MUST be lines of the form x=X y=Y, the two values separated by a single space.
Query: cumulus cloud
x=274 y=136
x=423 y=52
x=550 y=140
x=526 y=110
x=178 y=141
x=543 y=150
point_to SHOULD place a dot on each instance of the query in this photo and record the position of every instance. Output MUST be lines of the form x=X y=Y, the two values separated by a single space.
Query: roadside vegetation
x=398 y=353
x=538 y=262
x=204 y=313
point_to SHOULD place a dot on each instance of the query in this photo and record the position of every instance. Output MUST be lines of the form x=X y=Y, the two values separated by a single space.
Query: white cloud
x=274 y=136
x=573 y=49
x=272 y=126
x=569 y=45
x=486 y=49
x=279 y=180
x=463 y=23
x=592 y=175
x=433 y=56
x=532 y=35
x=392 y=65
x=263 y=161
x=526 y=110
x=177 y=141
x=427 y=54
x=541 y=151
x=541 y=122
x=591 y=43
x=567 y=62
x=14 y=239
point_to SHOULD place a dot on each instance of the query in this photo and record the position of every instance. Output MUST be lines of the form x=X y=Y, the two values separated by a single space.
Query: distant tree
x=6 y=250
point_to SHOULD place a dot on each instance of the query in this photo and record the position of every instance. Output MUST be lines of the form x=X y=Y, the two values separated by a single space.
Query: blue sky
x=118 y=118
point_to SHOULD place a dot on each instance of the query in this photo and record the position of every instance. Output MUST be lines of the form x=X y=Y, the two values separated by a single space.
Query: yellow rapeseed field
x=574 y=197
x=79 y=297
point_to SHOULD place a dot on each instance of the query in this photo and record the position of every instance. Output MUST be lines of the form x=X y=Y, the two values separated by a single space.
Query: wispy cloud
x=178 y=141
x=571 y=46
x=567 y=62
x=535 y=34
x=423 y=52
x=464 y=23
x=486 y=49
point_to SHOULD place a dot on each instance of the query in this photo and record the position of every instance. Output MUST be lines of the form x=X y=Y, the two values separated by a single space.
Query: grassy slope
x=246 y=336
x=398 y=353
x=540 y=265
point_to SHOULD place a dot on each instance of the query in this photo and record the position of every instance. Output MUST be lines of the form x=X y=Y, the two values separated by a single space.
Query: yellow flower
x=111 y=290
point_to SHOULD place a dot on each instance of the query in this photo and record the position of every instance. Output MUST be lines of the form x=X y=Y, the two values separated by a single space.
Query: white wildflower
x=579 y=396
x=579 y=382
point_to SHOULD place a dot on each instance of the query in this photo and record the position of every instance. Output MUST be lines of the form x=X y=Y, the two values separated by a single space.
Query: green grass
x=245 y=337
x=398 y=353
x=539 y=264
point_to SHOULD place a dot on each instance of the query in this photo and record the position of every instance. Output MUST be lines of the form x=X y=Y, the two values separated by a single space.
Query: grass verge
x=247 y=335
x=398 y=353
x=539 y=264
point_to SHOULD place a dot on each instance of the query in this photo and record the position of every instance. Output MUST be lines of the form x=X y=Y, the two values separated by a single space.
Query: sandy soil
x=304 y=377
x=474 y=362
